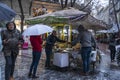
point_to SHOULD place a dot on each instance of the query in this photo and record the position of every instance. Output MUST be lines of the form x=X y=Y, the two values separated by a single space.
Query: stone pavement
x=103 y=47
x=104 y=71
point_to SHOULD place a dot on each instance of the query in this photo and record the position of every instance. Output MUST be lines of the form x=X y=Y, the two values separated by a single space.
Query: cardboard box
x=61 y=59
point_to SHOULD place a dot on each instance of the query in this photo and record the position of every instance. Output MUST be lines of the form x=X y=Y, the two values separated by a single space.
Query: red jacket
x=36 y=42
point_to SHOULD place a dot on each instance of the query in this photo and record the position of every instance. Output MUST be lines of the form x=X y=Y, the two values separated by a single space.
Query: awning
x=69 y=16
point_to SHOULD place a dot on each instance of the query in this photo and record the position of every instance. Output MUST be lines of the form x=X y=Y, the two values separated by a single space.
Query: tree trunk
x=62 y=4
x=11 y=1
x=66 y=1
x=87 y=5
x=115 y=13
x=72 y=3
x=30 y=6
x=22 y=15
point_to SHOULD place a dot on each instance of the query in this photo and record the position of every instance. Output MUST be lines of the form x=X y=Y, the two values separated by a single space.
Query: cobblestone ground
x=103 y=71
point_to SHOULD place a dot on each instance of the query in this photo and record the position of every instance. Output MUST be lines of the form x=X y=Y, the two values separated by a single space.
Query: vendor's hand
x=19 y=46
x=68 y=42
x=20 y=43
x=55 y=44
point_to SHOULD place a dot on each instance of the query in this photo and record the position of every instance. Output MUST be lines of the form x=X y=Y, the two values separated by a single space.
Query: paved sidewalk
x=103 y=47
x=104 y=71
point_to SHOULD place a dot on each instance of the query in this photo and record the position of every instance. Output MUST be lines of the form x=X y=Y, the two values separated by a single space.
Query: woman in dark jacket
x=11 y=38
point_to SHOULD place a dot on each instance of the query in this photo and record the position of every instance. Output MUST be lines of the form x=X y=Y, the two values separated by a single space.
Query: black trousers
x=10 y=65
x=48 y=51
x=112 y=53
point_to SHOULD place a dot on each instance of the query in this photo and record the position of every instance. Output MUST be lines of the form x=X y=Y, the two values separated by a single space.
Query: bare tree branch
x=116 y=20
x=86 y=5
x=30 y=6
x=22 y=14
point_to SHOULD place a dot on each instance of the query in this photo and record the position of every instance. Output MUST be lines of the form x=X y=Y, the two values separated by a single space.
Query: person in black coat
x=112 y=44
x=51 y=39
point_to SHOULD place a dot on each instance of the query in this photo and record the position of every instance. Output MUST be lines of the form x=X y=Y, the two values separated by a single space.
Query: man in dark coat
x=112 y=44
x=49 y=45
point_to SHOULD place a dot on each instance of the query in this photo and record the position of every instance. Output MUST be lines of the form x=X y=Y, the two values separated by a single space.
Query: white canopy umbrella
x=37 y=29
x=62 y=13
x=68 y=12
x=90 y=22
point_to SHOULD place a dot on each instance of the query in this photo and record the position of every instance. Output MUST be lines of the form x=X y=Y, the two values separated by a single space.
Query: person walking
x=36 y=42
x=51 y=39
x=11 y=38
x=86 y=39
x=112 y=44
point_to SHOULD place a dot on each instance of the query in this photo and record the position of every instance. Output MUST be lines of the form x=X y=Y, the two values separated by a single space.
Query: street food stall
x=64 y=21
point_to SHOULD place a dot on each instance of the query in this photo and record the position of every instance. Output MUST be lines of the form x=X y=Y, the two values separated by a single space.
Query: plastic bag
x=25 y=45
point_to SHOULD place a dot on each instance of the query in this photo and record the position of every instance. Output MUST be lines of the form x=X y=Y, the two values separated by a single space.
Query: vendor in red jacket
x=36 y=42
